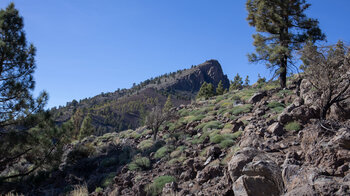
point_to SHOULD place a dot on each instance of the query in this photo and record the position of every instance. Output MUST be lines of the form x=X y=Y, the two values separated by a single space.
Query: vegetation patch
x=236 y=134
x=108 y=180
x=156 y=187
x=162 y=152
x=177 y=152
x=140 y=163
x=216 y=138
x=226 y=143
x=292 y=126
x=209 y=125
x=241 y=109
x=245 y=94
x=276 y=106
x=145 y=144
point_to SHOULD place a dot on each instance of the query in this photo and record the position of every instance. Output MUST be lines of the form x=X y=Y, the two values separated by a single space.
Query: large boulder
x=257 y=97
x=253 y=173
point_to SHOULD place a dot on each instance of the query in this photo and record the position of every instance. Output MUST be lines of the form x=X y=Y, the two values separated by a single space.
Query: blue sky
x=86 y=47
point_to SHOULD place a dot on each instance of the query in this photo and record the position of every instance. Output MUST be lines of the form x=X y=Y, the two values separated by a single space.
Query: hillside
x=260 y=140
x=126 y=108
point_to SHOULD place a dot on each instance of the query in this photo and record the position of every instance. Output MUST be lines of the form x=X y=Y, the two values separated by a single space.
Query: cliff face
x=191 y=80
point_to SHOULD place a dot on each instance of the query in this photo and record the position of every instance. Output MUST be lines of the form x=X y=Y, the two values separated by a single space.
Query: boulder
x=341 y=139
x=214 y=151
x=239 y=160
x=209 y=172
x=257 y=97
x=255 y=185
x=253 y=173
x=276 y=129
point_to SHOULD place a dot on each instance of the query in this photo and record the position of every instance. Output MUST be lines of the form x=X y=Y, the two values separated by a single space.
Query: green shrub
x=135 y=135
x=236 y=134
x=241 y=109
x=276 y=106
x=199 y=140
x=177 y=152
x=145 y=144
x=180 y=159
x=183 y=112
x=226 y=143
x=108 y=180
x=216 y=138
x=292 y=126
x=98 y=189
x=156 y=187
x=140 y=163
x=195 y=118
x=228 y=126
x=162 y=152
x=209 y=125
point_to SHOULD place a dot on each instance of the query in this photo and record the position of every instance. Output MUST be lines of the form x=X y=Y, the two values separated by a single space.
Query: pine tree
x=283 y=28
x=86 y=127
x=17 y=66
x=206 y=91
x=18 y=107
x=246 y=81
x=220 y=89
x=168 y=104
x=237 y=83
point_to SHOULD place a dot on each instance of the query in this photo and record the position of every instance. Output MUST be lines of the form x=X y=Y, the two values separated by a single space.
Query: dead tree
x=328 y=70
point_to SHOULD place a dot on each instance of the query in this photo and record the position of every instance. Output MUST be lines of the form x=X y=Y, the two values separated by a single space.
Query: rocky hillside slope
x=126 y=108
x=255 y=141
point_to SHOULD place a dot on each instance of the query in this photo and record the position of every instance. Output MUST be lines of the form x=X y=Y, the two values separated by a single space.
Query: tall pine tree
x=17 y=65
x=282 y=28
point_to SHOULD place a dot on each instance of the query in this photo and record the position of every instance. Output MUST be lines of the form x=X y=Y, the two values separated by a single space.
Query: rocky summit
x=260 y=140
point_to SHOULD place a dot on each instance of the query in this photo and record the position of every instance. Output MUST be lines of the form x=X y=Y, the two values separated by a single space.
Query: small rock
x=214 y=151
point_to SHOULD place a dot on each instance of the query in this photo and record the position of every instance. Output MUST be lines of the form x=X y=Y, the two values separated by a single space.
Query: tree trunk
x=283 y=74
x=324 y=111
x=155 y=134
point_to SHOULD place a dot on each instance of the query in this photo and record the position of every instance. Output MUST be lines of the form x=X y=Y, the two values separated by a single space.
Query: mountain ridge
x=126 y=108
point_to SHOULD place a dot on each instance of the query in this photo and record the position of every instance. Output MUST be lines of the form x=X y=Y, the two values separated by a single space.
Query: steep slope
x=126 y=108
x=257 y=141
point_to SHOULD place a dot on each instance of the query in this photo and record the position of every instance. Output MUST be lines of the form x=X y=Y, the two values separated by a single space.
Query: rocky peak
x=192 y=79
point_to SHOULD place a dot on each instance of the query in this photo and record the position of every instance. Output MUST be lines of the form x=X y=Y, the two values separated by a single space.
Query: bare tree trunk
x=155 y=134
x=324 y=111
x=283 y=74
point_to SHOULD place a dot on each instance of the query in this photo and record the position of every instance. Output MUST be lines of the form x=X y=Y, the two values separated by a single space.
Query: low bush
x=236 y=134
x=209 y=125
x=108 y=180
x=292 y=126
x=276 y=106
x=162 y=152
x=226 y=143
x=140 y=163
x=79 y=190
x=156 y=187
x=241 y=109
x=216 y=138
x=145 y=144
